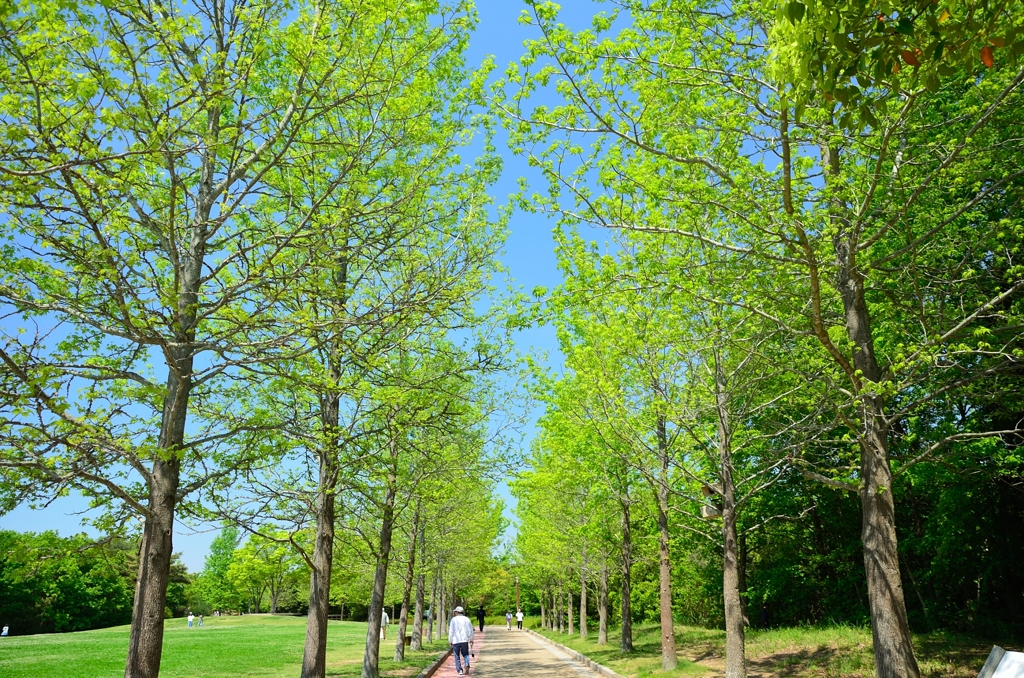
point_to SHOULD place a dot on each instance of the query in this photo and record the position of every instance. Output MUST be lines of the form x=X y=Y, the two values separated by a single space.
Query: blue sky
x=529 y=254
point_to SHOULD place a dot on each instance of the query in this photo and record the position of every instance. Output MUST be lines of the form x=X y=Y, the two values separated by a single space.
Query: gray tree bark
x=410 y=571
x=145 y=642
x=314 y=654
x=602 y=606
x=735 y=655
x=417 y=625
x=568 y=608
x=442 y=610
x=371 y=657
x=669 y=661
x=583 y=602
x=433 y=610
x=890 y=629
x=145 y=645
x=626 y=643
x=558 y=610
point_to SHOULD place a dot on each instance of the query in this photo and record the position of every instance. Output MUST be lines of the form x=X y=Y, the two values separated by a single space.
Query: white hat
x=459 y=609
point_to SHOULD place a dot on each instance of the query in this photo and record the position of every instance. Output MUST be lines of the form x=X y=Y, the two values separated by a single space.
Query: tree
x=50 y=584
x=667 y=160
x=867 y=56
x=150 y=235
x=213 y=585
x=262 y=567
x=397 y=241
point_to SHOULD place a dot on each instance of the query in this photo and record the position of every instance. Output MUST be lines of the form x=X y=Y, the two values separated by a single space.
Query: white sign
x=1003 y=664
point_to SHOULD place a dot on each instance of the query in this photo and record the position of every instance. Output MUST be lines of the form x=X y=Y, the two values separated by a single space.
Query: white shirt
x=384 y=619
x=519 y=616
x=460 y=629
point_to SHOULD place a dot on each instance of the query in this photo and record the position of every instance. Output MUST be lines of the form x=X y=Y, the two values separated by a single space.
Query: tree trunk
x=669 y=661
x=145 y=642
x=735 y=655
x=433 y=610
x=543 y=608
x=894 y=652
x=602 y=606
x=371 y=657
x=583 y=603
x=314 y=654
x=568 y=607
x=421 y=583
x=626 y=644
x=442 y=609
x=743 y=580
x=410 y=571
x=558 y=609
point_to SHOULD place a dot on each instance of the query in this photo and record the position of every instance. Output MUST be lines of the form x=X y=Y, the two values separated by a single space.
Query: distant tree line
x=53 y=584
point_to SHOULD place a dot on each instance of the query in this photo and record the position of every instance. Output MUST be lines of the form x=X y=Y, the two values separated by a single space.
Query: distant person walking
x=508 y=620
x=384 y=621
x=191 y=618
x=4 y=632
x=200 y=621
x=460 y=638
x=519 y=620
x=480 y=615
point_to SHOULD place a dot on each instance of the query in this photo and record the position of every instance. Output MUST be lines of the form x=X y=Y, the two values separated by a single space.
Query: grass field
x=838 y=651
x=253 y=645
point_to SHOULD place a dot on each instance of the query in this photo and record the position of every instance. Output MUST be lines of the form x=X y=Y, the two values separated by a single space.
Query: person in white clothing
x=519 y=619
x=508 y=620
x=460 y=637
x=384 y=621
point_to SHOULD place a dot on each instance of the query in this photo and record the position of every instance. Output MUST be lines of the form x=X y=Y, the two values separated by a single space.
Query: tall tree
x=690 y=118
x=143 y=247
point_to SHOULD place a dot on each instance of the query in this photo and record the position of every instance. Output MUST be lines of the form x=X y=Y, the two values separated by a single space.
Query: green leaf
x=795 y=11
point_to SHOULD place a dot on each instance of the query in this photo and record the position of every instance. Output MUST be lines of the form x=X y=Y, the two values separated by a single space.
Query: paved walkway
x=501 y=653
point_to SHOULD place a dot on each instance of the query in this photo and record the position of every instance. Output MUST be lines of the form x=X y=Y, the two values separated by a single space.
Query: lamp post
x=517 y=595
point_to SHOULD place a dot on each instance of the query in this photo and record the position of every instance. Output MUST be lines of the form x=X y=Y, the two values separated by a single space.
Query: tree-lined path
x=519 y=654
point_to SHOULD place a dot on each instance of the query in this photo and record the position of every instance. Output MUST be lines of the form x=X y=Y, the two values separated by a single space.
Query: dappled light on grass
x=796 y=652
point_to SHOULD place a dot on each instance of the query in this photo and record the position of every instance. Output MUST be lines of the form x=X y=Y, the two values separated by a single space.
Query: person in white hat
x=460 y=637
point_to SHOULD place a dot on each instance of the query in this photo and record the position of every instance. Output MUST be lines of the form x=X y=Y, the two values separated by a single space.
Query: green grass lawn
x=839 y=651
x=253 y=645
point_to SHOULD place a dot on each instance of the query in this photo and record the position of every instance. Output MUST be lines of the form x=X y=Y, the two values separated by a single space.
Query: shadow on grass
x=796 y=663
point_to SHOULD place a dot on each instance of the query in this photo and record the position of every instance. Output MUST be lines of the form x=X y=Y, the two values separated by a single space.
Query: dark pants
x=481 y=624
x=519 y=624
x=463 y=650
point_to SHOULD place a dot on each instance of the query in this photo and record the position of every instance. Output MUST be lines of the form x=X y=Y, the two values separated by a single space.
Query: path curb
x=432 y=669
x=603 y=670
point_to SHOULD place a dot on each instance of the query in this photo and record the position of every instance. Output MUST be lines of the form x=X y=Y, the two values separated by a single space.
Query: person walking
x=3 y=634
x=200 y=621
x=508 y=620
x=384 y=621
x=480 y=615
x=191 y=618
x=519 y=619
x=460 y=638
